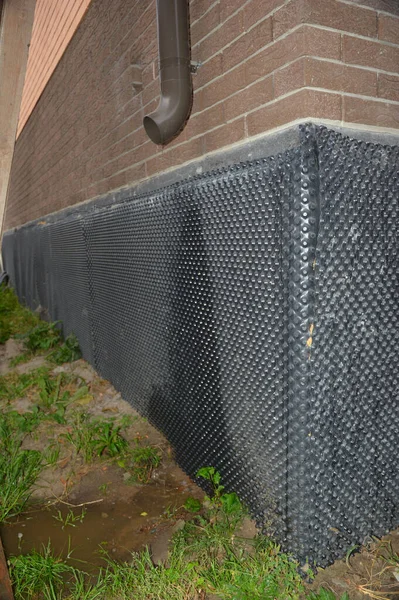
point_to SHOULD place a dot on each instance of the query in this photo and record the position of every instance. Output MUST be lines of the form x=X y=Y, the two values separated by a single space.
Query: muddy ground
x=123 y=517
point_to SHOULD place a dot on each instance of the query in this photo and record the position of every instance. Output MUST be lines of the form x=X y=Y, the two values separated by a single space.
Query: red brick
x=208 y=71
x=247 y=44
x=167 y=158
x=255 y=95
x=300 y=105
x=370 y=112
x=259 y=9
x=220 y=37
x=388 y=29
x=205 y=24
x=370 y=54
x=289 y=78
x=333 y=14
x=339 y=77
x=390 y=6
x=225 y=135
x=208 y=119
x=388 y=87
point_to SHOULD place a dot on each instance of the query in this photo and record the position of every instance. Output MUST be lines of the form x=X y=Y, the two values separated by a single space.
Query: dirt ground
x=124 y=517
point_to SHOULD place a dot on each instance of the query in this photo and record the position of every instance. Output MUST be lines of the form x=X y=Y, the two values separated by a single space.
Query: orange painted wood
x=54 y=25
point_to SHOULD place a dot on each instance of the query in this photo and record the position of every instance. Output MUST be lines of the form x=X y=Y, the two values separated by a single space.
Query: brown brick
x=208 y=119
x=259 y=9
x=289 y=78
x=205 y=24
x=171 y=157
x=339 y=77
x=388 y=29
x=220 y=37
x=333 y=14
x=221 y=88
x=225 y=135
x=208 y=71
x=135 y=173
x=300 y=105
x=370 y=112
x=135 y=155
x=228 y=7
x=198 y=8
x=247 y=44
x=288 y=17
x=370 y=54
x=322 y=43
x=388 y=87
x=390 y=6
x=255 y=95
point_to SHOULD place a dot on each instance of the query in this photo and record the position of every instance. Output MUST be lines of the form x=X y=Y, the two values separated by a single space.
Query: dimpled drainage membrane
x=251 y=314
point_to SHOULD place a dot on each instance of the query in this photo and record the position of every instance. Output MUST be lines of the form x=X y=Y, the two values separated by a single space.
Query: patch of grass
x=43 y=336
x=15 y=385
x=14 y=318
x=69 y=351
x=324 y=594
x=95 y=438
x=21 y=359
x=140 y=462
x=19 y=470
x=39 y=575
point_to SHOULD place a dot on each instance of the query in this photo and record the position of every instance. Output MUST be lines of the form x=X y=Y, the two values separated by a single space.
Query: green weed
x=324 y=594
x=95 y=438
x=14 y=385
x=70 y=519
x=19 y=470
x=39 y=575
x=140 y=462
x=192 y=505
x=43 y=336
x=69 y=351
x=234 y=569
x=14 y=318
x=21 y=359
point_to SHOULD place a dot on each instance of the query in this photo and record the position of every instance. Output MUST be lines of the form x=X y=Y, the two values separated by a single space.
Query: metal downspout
x=174 y=72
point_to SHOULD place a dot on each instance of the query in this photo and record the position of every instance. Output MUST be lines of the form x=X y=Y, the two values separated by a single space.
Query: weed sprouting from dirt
x=19 y=470
x=43 y=336
x=14 y=318
x=39 y=575
x=95 y=438
x=70 y=518
x=140 y=461
x=67 y=352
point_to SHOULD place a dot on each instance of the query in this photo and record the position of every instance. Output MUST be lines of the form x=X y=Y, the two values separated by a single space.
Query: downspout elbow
x=173 y=109
x=174 y=72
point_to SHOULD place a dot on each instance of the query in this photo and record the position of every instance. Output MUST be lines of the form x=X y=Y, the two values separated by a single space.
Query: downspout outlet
x=175 y=103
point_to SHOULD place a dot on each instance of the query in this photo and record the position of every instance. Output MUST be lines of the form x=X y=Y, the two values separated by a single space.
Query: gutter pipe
x=174 y=72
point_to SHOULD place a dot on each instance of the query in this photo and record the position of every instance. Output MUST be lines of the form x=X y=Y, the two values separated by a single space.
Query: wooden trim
x=15 y=34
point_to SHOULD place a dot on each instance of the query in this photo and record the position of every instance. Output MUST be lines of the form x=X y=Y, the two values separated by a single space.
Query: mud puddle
x=146 y=517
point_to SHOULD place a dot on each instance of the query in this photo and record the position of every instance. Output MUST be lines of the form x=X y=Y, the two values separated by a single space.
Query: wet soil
x=117 y=516
x=122 y=518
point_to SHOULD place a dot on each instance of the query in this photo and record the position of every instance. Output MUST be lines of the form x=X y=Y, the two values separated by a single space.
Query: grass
x=206 y=557
x=19 y=470
x=14 y=318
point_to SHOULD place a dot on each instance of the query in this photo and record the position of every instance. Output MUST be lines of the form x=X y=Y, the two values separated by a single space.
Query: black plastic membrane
x=252 y=314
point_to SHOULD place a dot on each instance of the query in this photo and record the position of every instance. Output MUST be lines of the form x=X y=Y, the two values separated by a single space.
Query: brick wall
x=265 y=63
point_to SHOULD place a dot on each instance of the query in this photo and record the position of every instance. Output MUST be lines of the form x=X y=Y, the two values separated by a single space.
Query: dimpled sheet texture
x=251 y=314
